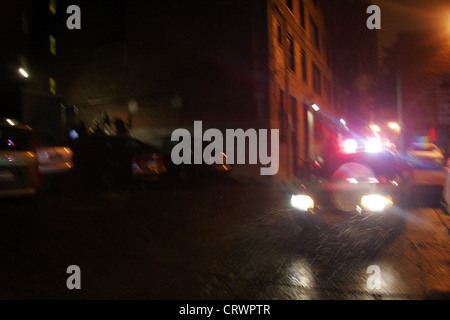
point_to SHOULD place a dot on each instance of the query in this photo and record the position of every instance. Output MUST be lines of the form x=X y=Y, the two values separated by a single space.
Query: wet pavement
x=216 y=241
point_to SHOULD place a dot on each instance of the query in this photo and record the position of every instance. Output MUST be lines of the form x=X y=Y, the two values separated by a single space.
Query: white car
x=53 y=158
x=18 y=161
x=426 y=155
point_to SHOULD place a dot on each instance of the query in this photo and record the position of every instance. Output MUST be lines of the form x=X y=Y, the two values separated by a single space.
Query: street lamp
x=394 y=126
x=375 y=128
x=23 y=72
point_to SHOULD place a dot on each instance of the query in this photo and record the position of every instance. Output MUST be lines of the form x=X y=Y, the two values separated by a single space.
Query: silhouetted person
x=121 y=129
x=106 y=120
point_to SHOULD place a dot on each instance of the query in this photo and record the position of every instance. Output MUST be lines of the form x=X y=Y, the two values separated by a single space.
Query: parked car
x=426 y=155
x=190 y=173
x=53 y=156
x=55 y=160
x=116 y=161
x=18 y=161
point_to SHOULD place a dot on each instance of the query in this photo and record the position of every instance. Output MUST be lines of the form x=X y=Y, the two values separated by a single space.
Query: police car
x=363 y=175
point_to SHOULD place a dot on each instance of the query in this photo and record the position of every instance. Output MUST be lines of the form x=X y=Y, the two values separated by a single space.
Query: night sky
x=404 y=15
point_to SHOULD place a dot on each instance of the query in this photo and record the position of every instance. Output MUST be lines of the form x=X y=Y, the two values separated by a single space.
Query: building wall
x=219 y=59
x=164 y=51
x=424 y=56
x=25 y=31
x=292 y=95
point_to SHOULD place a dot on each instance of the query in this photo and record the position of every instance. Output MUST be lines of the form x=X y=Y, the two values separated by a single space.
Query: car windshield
x=15 y=139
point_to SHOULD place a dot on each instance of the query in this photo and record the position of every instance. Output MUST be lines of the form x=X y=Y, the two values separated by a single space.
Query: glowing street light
x=344 y=123
x=375 y=128
x=394 y=126
x=315 y=107
x=23 y=73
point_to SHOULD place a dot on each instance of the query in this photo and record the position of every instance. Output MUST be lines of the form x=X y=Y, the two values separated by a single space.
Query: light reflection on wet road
x=332 y=263
x=227 y=241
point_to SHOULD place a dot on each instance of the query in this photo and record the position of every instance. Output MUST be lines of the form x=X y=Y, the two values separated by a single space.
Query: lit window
x=52 y=41
x=52 y=85
x=52 y=6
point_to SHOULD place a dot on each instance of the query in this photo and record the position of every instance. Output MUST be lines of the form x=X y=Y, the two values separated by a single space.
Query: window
x=317 y=86
x=291 y=53
x=52 y=85
x=302 y=13
x=293 y=111
x=282 y=117
x=304 y=67
x=315 y=38
x=279 y=34
x=52 y=42
x=52 y=6
x=289 y=5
